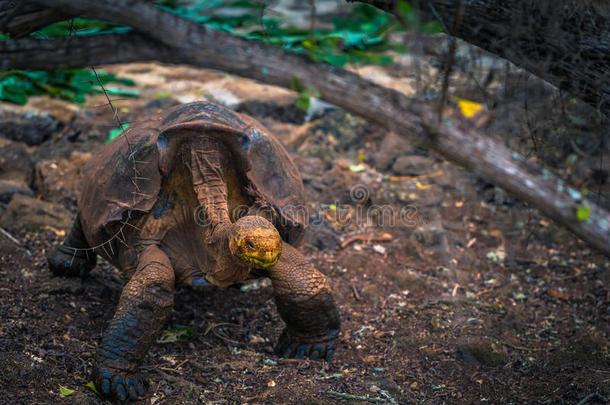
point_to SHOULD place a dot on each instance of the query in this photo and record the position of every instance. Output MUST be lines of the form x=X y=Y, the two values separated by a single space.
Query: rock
x=430 y=234
x=391 y=147
x=412 y=165
x=60 y=180
x=32 y=214
x=30 y=127
x=482 y=353
x=433 y=237
x=8 y=188
x=15 y=161
x=322 y=236
x=494 y=195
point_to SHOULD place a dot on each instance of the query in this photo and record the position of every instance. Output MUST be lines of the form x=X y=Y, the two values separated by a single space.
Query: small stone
x=497 y=256
x=430 y=235
x=255 y=339
x=412 y=165
x=379 y=249
x=271 y=384
x=391 y=147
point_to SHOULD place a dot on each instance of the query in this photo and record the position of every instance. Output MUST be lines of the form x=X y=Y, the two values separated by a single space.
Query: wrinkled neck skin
x=227 y=269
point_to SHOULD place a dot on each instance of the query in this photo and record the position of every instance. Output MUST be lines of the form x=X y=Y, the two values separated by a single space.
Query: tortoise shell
x=123 y=180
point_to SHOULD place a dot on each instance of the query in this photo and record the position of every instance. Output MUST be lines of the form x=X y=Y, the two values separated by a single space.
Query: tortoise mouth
x=255 y=242
x=267 y=261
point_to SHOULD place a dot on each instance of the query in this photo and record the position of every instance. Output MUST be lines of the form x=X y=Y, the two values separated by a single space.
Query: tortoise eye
x=250 y=244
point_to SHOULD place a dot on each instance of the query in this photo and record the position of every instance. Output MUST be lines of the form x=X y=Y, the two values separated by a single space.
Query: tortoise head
x=256 y=242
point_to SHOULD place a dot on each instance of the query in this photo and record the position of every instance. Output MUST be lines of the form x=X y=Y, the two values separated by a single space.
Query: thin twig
x=11 y=237
x=343 y=395
x=15 y=241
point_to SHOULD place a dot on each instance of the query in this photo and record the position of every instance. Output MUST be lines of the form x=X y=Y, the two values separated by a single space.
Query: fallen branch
x=18 y=19
x=79 y=51
x=178 y=40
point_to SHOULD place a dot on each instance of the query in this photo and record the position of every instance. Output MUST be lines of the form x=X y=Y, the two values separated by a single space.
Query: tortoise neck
x=208 y=163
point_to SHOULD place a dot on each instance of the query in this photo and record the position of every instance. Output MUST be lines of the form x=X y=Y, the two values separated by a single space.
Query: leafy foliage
x=361 y=36
x=72 y=84
x=78 y=26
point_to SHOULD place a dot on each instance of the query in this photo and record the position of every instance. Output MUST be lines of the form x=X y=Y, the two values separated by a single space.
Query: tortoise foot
x=301 y=347
x=118 y=384
x=64 y=261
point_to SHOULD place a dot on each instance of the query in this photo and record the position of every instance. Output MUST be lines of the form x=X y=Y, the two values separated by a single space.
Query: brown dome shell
x=123 y=179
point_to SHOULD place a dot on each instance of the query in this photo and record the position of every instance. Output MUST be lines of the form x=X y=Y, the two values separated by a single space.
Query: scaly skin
x=145 y=305
x=304 y=301
x=209 y=179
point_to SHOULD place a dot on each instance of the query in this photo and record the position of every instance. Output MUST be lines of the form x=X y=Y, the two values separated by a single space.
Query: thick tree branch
x=18 y=19
x=193 y=44
x=79 y=51
x=565 y=42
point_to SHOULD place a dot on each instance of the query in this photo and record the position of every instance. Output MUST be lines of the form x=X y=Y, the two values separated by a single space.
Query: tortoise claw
x=301 y=347
x=119 y=385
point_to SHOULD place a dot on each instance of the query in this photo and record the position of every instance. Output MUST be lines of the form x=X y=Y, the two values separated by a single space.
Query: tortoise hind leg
x=304 y=301
x=145 y=304
x=73 y=257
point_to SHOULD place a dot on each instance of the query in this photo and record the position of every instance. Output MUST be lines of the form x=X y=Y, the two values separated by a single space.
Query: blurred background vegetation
x=359 y=34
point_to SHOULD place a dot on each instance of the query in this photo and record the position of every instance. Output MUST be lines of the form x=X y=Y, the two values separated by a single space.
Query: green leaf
x=115 y=133
x=359 y=168
x=65 y=391
x=583 y=213
x=117 y=91
x=176 y=334
x=303 y=101
x=160 y=95
x=91 y=386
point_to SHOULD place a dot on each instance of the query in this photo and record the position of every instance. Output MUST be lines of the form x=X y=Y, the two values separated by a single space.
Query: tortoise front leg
x=145 y=304
x=304 y=301
x=74 y=257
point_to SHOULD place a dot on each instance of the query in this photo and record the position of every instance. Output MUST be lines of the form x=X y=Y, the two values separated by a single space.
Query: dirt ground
x=468 y=297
